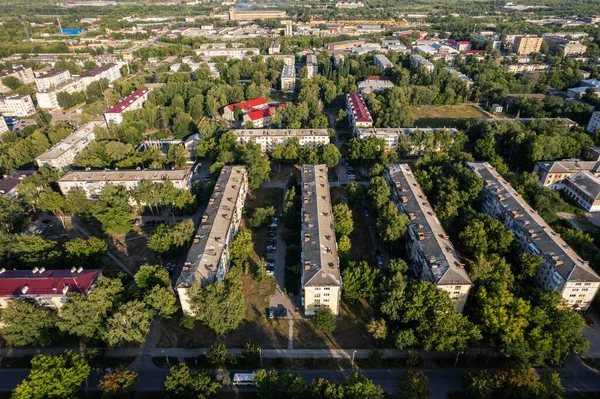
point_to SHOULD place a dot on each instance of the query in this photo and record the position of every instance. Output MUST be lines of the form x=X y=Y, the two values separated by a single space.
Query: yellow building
x=525 y=45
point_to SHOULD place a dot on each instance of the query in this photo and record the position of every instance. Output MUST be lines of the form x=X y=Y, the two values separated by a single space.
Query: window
x=572 y=295
x=581 y=295
x=577 y=283
x=456 y=292
x=584 y=289
x=587 y=284
x=579 y=301
x=326 y=294
x=458 y=287
x=317 y=288
x=317 y=301
x=575 y=289
x=325 y=300
x=317 y=295
x=326 y=288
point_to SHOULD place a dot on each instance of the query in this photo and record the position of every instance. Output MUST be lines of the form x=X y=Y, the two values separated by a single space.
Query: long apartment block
x=400 y=138
x=431 y=252
x=268 y=138
x=61 y=155
x=563 y=270
x=321 y=278
x=358 y=113
x=92 y=182
x=207 y=260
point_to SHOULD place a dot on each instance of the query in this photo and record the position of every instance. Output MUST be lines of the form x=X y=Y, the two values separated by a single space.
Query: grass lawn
x=261 y=198
x=351 y=330
x=256 y=327
x=444 y=115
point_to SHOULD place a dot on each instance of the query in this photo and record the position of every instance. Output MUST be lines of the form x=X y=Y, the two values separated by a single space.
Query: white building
x=47 y=99
x=110 y=71
x=207 y=261
x=321 y=278
x=417 y=61
x=594 y=123
x=584 y=189
x=288 y=78
x=52 y=78
x=467 y=80
x=25 y=75
x=61 y=155
x=429 y=247
x=274 y=48
x=132 y=102
x=93 y=181
x=287 y=59
x=374 y=84
x=3 y=125
x=358 y=114
x=235 y=53
x=268 y=138
x=402 y=138
x=382 y=62
x=16 y=105
x=562 y=270
x=349 y=4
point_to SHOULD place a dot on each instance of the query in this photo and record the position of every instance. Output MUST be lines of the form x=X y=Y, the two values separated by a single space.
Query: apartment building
x=47 y=98
x=525 y=45
x=25 y=75
x=418 y=61
x=132 y=102
x=571 y=49
x=344 y=45
x=401 y=139
x=552 y=174
x=52 y=78
x=61 y=155
x=93 y=181
x=288 y=78
x=312 y=68
x=382 y=62
x=207 y=260
x=48 y=288
x=274 y=48
x=16 y=105
x=230 y=53
x=374 y=84
x=594 y=123
x=268 y=138
x=288 y=60
x=349 y=4
x=467 y=80
x=358 y=114
x=245 y=106
x=321 y=278
x=109 y=71
x=526 y=68
x=430 y=250
x=584 y=189
x=8 y=185
x=260 y=118
x=563 y=270
x=235 y=15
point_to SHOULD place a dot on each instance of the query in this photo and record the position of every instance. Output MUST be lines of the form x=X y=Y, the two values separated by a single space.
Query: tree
x=54 y=376
x=329 y=155
x=241 y=247
x=220 y=306
x=342 y=220
x=169 y=238
x=128 y=324
x=11 y=82
x=151 y=275
x=113 y=210
x=262 y=216
x=183 y=383
x=251 y=354
x=413 y=385
x=325 y=320
x=85 y=251
x=162 y=301
x=378 y=328
x=360 y=281
x=177 y=156
x=355 y=193
x=528 y=266
x=358 y=386
x=26 y=323
x=12 y=213
x=391 y=224
x=119 y=383
x=217 y=355
x=267 y=384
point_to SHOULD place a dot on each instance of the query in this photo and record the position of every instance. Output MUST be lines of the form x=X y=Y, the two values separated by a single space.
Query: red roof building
x=357 y=111
x=132 y=102
x=246 y=107
x=47 y=287
x=260 y=118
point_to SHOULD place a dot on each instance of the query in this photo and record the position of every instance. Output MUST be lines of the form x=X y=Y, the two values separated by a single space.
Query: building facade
x=418 y=61
x=132 y=102
x=431 y=252
x=345 y=45
x=268 y=138
x=584 y=189
x=47 y=99
x=109 y=71
x=321 y=278
x=374 y=84
x=358 y=114
x=52 y=78
x=525 y=45
x=245 y=106
x=235 y=15
x=61 y=155
x=16 y=105
x=25 y=75
x=404 y=140
x=562 y=270
x=288 y=78
x=230 y=53
x=552 y=174
x=382 y=62
x=594 y=123
x=260 y=118
x=207 y=261
x=48 y=288
x=91 y=182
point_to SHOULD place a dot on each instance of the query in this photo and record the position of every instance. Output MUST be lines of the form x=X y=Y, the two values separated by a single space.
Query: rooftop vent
x=25 y=289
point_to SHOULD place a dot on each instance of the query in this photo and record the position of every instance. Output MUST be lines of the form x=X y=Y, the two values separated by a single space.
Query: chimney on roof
x=65 y=289
x=24 y=289
x=42 y=270
x=80 y=269
x=73 y=269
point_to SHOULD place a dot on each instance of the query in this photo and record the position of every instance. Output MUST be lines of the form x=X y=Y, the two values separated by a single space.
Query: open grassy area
x=351 y=330
x=444 y=115
x=256 y=327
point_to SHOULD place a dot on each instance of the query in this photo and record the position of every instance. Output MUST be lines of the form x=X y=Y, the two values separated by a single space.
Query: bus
x=243 y=379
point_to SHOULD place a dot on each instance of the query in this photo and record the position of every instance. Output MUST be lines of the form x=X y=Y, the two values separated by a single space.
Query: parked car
x=270 y=262
x=588 y=321
x=274 y=222
x=271 y=313
x=170 y=266
x=379 y=258
x=271 y=233
x=271 y=248
x=270 y=270
x=47 y=222
x=282 y=311
x=137 y=222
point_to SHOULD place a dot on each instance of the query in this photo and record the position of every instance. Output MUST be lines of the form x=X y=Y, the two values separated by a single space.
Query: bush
x=325 y=320
x=262 y=216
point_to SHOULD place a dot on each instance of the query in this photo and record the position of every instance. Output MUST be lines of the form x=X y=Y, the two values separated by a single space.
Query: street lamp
x=353 y=353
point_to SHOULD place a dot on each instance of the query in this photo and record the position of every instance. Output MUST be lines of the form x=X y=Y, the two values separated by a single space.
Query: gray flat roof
x=443 y=261
x=319 y=248
x=125 y=175
x=68 y=142
x=569 y=166
x=280 y=132
x=587 y=183
x=566 y=261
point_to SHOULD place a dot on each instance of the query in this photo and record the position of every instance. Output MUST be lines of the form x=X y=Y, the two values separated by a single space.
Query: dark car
x=588 y=321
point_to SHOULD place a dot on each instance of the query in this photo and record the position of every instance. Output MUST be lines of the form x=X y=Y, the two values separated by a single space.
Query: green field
x=444 y=115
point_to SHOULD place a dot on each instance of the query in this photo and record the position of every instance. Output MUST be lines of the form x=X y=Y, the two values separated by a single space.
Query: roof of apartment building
x=443 y=261
x=587 y=183
x=126 y=175
x=61 y=86
x=288 y=72
x=11 y=181
x=359 y=108
x=11 y=71
x=263 y=113
x=51 y=73
x=568 y=166
x=280 y=132
x=249 y=104
x=319 y=248
x=126 y=102
x=570 y=265
x=41 y=282
x=98 y=70
x=400 y=131
x=205 y=253
x=68 y=142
